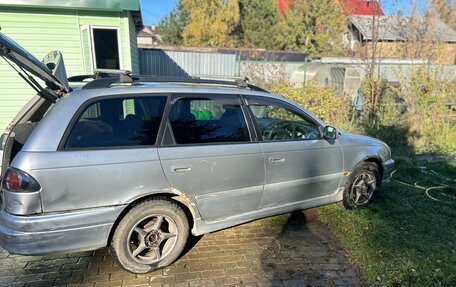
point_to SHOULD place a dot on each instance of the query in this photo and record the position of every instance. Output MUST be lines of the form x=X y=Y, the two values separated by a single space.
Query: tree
x=372 y=55
x=289 y=32
x=446 y=10
x=211 y=23
x=307 y=25
x=172 y=26
x=312 y=26
x=257 y=19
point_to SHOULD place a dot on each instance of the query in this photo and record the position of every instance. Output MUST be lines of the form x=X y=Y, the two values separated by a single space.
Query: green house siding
x=133 y=43
x=41 y=30
x=118 y=5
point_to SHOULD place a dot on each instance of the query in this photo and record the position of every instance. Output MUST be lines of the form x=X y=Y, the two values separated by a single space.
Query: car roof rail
x=100 y=73
x=106 y=78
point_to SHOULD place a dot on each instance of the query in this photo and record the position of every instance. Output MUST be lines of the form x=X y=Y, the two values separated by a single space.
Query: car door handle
x=181 y=168
x=276 y=160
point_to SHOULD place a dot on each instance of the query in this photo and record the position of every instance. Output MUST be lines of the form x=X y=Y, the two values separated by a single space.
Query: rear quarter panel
x=86 y=179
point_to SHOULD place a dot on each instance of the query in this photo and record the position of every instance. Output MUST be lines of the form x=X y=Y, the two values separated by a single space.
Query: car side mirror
x=330 y=133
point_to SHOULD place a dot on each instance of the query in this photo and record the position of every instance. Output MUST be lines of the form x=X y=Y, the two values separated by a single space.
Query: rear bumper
x=58 y=232
x=387 y=168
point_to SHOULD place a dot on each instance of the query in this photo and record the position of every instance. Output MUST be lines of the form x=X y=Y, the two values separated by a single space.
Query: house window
x=100 y=47
x=106 y=48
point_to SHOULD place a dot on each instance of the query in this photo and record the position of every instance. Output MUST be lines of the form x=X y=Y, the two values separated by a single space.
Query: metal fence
x=344 y=75
x=184 y=64
x=220 y=63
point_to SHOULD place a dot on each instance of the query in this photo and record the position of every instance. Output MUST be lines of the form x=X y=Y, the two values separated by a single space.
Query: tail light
x=19 y=181
x=3 y=139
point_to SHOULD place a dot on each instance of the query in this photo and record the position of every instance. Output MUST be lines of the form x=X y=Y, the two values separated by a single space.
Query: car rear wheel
x=150 y=236
x=362 y=186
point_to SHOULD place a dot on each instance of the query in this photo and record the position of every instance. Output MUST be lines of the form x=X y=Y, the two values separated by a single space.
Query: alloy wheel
x=363 y=188
x=152 y=238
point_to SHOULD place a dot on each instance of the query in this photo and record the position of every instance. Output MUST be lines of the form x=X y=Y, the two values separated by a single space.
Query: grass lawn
x=406 y=237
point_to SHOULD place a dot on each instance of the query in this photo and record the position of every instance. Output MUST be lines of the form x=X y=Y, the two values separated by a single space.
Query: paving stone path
x=286 y=250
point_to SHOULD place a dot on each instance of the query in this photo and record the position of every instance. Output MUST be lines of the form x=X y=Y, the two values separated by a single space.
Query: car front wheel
x=362 y=186
x=151 y=236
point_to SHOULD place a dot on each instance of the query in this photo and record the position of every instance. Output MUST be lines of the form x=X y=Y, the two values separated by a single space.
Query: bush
x=420 y=113
x=429 y=96
x=322 y=102
x=413 y=117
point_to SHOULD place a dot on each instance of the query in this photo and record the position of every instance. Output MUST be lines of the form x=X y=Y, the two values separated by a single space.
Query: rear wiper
x=44 y=93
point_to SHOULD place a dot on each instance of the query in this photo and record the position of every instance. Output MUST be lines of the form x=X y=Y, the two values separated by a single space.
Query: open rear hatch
x=51 y=70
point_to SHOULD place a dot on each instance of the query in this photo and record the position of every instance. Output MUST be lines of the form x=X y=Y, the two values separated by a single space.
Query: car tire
x=362 y=186
x=150 y=236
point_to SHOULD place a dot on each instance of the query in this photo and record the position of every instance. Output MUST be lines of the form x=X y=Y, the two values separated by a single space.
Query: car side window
x=208 y=120
x=119 y=122
x=278 y=122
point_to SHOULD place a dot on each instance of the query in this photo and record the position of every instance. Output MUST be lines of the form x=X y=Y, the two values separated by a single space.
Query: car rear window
x=120 y=122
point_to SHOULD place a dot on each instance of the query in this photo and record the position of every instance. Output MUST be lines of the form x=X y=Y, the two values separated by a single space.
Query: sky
x=154 y=10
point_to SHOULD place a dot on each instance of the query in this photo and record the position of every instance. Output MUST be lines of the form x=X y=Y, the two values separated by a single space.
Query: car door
x=209 y=153
x=300 y=164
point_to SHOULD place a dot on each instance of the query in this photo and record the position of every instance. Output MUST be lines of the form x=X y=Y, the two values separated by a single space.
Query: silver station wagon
x=137 y=163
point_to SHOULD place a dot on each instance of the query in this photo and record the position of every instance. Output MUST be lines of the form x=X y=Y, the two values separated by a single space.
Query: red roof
x=351 y=7
x=283 y=4
x=362 y=7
